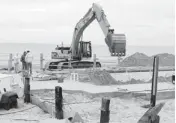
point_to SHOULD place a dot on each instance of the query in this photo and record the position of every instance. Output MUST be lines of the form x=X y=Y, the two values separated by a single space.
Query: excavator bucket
x=117 y=44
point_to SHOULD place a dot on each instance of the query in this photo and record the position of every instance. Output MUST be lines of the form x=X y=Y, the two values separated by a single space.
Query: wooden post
x=94 y=59
x=104 y=117
x=173 y=79
x=154 y=81
x=69 y=62
x=26 y=75
x=41 y=61
x=58 y=102
x=10 y=63
x=26 y=89
x=27 y=71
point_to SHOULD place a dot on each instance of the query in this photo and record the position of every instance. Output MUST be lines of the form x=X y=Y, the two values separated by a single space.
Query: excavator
x=79 y=53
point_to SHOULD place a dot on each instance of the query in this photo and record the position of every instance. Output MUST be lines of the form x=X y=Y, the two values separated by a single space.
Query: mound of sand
x=166 y=59
x=102 y=77
x=140 y=59
x=139 y=81
x=98 y=77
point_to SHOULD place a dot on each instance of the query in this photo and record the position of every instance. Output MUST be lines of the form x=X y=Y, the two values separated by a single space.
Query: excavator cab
x=116 y=44
x=85 y=49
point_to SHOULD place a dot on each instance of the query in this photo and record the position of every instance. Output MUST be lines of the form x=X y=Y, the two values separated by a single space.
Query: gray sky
x=145 y=22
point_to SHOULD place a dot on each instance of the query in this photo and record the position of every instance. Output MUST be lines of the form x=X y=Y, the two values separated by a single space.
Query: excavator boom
x=115 y=42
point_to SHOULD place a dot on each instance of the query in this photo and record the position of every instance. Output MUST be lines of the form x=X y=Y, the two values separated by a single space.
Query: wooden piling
x=173 y=79
x=41 y=61
x=58 y=102
x=27 y=70
x=69 y=62
x=10 y=62
x=27 y=90
x=154 y=81
x=94 y=61
x=104 y=117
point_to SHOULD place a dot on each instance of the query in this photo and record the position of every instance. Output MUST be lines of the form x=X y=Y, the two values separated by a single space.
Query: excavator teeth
x=118 y=54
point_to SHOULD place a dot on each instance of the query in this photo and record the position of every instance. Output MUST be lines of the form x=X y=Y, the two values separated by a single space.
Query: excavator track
x=61 y=65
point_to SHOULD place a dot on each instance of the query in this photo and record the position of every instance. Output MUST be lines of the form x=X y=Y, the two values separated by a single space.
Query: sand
x=122 y=110
x=25 y=113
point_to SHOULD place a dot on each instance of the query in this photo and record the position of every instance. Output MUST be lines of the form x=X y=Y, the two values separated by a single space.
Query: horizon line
x=93 y=44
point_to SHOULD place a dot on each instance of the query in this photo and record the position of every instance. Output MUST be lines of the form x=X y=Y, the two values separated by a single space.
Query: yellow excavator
x=79 y=53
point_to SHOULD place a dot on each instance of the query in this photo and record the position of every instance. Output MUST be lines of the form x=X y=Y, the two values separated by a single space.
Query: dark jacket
x=23 y=57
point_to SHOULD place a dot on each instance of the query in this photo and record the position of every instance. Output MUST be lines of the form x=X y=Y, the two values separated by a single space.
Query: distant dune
x=102 y=50
x=141 y=59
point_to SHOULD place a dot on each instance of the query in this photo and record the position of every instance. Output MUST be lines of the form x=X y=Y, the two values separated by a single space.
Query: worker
x=23 y=60
x=57 y=48
x=28 y=60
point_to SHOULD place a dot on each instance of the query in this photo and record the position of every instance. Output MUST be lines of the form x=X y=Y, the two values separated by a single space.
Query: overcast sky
x=145 y=22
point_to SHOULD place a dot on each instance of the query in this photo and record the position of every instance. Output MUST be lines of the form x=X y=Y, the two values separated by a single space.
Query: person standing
x=28 y=60
x=23 y=60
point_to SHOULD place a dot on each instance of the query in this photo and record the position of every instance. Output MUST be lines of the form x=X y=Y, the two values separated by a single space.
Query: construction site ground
x=121 y=110
x=126 y=100
x=165 y=90
x=85 y=98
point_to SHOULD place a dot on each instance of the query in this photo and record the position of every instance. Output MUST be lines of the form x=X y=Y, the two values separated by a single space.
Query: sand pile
x=140 y=59
x=102 y=77
x=97 y=77
x=139 y=81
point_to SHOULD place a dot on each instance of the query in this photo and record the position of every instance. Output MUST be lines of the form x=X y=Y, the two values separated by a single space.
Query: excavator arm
x=115 y=42
x=78 y=31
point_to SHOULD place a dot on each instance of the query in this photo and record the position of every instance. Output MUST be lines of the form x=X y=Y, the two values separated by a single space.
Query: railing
x=7 y=62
